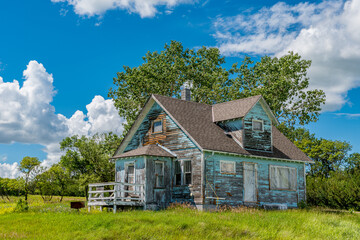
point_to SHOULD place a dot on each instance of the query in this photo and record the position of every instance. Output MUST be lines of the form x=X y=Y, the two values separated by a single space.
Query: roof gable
x=149 y=150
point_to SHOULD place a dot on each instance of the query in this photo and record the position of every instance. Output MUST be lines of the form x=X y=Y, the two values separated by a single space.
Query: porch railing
x=115 y=193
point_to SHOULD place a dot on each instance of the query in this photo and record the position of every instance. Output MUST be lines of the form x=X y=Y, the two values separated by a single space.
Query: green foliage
x=30 y=167
x=11 y=187
x=21 y=206
x=87 y=159
x=340 y=191
x=282 y=82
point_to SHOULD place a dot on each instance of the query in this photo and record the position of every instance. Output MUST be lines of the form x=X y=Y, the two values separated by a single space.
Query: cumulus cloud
x=328 y=33
x=144 y=8
x=9 y=170
x=27 y=116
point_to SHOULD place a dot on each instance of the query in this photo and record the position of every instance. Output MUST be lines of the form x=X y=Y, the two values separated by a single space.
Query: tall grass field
x=54 y=220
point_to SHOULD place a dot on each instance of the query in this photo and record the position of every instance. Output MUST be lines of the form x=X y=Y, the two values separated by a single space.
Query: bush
x=340 y=191
x=21 y=206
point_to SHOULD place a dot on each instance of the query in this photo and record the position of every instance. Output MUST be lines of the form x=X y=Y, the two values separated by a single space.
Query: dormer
x=248 y=121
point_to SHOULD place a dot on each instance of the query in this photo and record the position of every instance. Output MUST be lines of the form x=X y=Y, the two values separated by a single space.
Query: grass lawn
x=57 y=221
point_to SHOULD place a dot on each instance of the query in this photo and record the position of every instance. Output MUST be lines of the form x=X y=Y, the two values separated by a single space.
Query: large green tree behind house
x=283 y=82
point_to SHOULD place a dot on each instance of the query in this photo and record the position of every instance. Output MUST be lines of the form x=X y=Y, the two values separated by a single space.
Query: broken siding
x=258 y=140
x=179 y=143
x=229 y=187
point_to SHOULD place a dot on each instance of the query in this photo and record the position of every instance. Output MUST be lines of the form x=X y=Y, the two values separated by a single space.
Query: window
x=227 y=167
x=130 y=173
x=187 y=172
x=177 y=172
x=157 y=126
x=159 y=174
x=282 y=178
x=257 y=125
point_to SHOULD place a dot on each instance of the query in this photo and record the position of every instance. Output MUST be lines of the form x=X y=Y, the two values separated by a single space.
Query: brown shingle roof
x=233 y=109
x=148 y=150
x=196 y=119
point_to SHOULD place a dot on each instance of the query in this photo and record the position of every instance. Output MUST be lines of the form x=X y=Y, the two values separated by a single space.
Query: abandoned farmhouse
x=207 y=155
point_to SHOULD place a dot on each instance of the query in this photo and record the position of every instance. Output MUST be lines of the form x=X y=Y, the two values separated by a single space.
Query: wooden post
x=114 y=208
x=101 y=208
x=89 y=208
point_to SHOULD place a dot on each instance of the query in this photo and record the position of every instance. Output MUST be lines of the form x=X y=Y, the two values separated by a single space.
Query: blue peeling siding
x=258 y=140
x=231 y=188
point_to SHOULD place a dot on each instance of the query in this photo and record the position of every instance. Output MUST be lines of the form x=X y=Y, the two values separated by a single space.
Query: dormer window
x=257 y=125
x=157 y=126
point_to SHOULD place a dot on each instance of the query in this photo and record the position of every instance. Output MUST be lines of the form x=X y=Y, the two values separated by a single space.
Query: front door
x=130 y=178
x=250 y=182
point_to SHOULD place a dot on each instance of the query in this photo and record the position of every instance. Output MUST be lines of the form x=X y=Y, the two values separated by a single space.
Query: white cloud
x=349 y=115
x=328 y=33
x=145 y=8
x=27 y=116
x=9 y=170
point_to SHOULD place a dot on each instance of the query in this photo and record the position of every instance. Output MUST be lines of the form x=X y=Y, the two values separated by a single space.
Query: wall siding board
x=230 y=187
x=258 y=140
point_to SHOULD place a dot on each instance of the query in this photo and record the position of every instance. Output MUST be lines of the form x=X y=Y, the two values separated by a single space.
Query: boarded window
x=157 y=126
x=282 y=178
x=227 y=167
x=257 y=125
x=159 y=173
x=177 y=172
x=187 y=172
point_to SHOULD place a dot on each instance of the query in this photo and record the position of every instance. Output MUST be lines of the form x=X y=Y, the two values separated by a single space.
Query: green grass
x=57 y=221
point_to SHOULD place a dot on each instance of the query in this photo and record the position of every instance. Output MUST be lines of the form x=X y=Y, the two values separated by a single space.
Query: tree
x=282 y=82
x=29 y=166
x=46 y=186
x=329 y=155
x=87 y=159
x=61 y=179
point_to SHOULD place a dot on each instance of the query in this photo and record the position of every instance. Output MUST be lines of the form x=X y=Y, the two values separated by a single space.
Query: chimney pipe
x=186 y=91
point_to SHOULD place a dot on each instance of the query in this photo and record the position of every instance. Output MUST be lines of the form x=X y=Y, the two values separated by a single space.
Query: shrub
x=21 y=206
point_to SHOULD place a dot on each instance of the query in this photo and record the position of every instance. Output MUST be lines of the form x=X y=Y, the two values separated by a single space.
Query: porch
x=114 y=194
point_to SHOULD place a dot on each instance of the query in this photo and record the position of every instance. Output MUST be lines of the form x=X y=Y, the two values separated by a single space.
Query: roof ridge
x=192 y=102
x=240 y=99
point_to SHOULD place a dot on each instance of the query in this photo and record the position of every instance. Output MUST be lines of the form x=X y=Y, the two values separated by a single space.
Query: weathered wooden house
x=182 y=151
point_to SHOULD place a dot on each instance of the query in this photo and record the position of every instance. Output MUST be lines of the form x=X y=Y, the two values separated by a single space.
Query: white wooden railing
x=112 y=193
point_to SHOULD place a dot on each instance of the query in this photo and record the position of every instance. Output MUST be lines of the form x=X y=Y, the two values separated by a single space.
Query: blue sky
x=64 y=54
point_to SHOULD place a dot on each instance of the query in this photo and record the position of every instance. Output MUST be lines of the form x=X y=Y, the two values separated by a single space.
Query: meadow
x=54 y=220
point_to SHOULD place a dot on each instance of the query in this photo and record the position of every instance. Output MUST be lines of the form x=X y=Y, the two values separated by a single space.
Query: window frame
x=175 y=173
x=224 y=172
x=153 y=127
x=184 y=173
x=294 y=189
x=157 y=185
x=259 y=121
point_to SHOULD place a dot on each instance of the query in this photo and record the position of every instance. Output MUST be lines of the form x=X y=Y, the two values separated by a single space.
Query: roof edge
x=261 y=157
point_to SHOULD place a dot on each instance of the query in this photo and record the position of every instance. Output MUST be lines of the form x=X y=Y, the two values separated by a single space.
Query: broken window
x=130 y=173
x=227 y=167
x=187 y=172
x=159 y=174
x=282 y=178
x=257 y=125
x=157 y=126
x=177 y=172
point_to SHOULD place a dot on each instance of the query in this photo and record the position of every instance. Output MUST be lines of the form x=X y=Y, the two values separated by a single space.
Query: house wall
x=179 y=143
x=258 y=140
x=230 y=187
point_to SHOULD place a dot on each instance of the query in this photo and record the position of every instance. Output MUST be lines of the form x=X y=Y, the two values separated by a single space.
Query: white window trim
x=262 y=125
x=282 y=189
x=163 y=174
x=232 y=162
x=181 y=173
x=184 y=173
x=152 y=126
